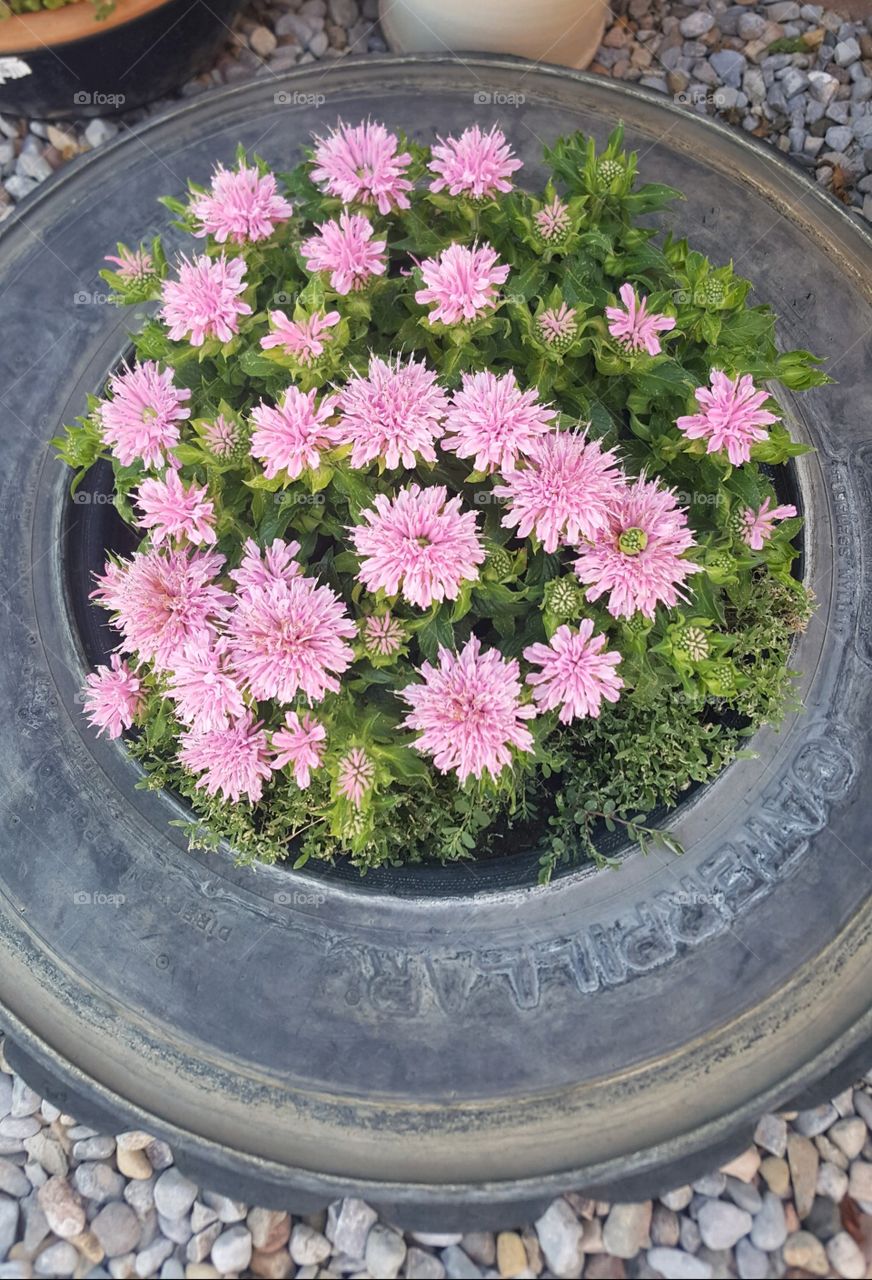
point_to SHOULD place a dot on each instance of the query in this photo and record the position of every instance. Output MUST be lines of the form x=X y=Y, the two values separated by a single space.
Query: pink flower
x=468 y=711
x=383 y=635
x=222 y=438
x=276 y=563
x=476 y=164
x=462 y=282
x=420 y=543
x=557 y=326
x=204 y=302
x=142 y=418
x=241 y=205
x=360 y=163
x=637 y=559
x=576 y=675
x=206 y=697
x=347 y=250
x=299 y=744
x=172 y=511
x=394 y=413
x=113 y=698
x=290 y=637
x=162 y=599
x=291 y=436
x=233 y=760
x=730 y=417
x=563 y=490
x=759 y=525
x=634 y=327
x=356 y=774
x=553 y=220
x=133 y=265
x=303 y=339
x=493 y=421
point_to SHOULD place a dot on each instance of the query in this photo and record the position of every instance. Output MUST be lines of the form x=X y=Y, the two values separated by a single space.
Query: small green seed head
x=632 y=541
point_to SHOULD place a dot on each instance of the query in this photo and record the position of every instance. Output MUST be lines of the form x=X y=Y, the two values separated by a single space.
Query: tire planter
x=66 y=63
x=455 y=1046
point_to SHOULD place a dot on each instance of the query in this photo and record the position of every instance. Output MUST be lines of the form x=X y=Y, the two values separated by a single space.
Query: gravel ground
x=74 y=1202
x=799 y=1202
x=799 y=75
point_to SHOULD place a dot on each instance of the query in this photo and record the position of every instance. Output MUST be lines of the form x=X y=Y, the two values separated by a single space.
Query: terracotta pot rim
x=25 y=32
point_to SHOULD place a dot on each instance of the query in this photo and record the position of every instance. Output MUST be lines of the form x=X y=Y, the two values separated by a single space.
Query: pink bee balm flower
x=142 y=418
x=205 y=696
x=113 y=698
x=468 y=711
x=637 y=560
x=563 y=490
x=172 y=511
x=290 y=637
x=759 y=525
x=291 y=436
x=276 y=563
x=163 y=599
x=133 y=265
x=476 y=164
x=634 y=327
x=553 y=220
x=233 y=760
x=383 y=634
x=356 y=774
x=493 y=421
x=347 y=250
x=204 y=302
x=576 y=675
x=222 y=438
x=241 y=205
x=557 y=326
x=394 y=413
x=418 y=542
x=299 y=744
x=461 y=282
x=303 y=339
x=730 y=418
x=360 y=163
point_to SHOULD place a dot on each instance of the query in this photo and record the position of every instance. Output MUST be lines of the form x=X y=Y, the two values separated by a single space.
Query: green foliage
x=699 y=678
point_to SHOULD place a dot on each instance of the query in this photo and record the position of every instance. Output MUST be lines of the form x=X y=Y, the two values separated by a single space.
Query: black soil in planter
x=113 y=67
x=455 y=1058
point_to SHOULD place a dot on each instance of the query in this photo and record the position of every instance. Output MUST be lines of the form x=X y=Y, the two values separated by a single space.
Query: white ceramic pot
x=563 y=31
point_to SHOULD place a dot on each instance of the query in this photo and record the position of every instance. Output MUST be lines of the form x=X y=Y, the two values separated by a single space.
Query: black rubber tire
x=453 y=1048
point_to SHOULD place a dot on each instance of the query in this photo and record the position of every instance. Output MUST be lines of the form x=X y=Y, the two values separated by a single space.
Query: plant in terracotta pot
x=94 y=57
x=450 y=495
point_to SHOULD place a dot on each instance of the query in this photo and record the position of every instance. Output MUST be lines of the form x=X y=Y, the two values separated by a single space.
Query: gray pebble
x=232 y=1250
x=847 y=51
x=8 y=1224
x=57 y=1260
x=678 y=1265
x=228 y=1210
x=769 y=1229
x=696 y=24
x=150 y=1260
x=458 y=1265
x=751 y=1263
x=348 y=1225
x=722 y=1224
x=729 y=65
x=117 y=1228
x=174 y=1193
x=98 y=1182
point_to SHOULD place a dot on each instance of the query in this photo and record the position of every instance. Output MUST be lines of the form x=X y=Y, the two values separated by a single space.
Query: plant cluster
x=458 y=529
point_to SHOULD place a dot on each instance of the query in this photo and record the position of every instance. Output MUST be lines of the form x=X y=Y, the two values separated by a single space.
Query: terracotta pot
x=64 y=62
x=567 y=32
